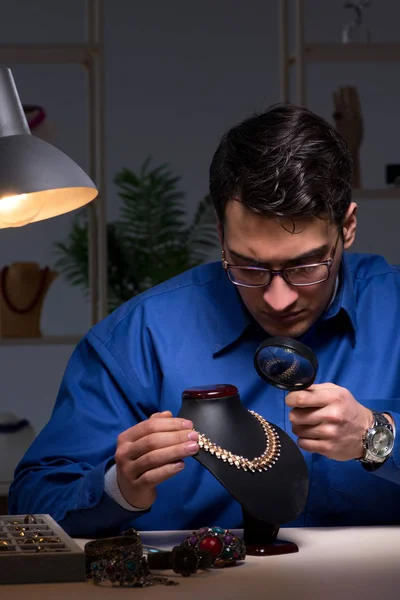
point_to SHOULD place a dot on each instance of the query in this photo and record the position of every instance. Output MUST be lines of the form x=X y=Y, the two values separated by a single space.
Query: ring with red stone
x=225 y=547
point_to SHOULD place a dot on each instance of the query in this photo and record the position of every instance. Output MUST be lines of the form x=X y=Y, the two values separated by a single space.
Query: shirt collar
x=344 y=301
x=234 y=318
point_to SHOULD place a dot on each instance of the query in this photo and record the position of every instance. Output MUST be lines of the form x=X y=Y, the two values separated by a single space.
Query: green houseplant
x=149 y=242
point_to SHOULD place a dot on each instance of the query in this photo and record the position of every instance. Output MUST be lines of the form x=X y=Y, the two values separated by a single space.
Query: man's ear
x=350 y=226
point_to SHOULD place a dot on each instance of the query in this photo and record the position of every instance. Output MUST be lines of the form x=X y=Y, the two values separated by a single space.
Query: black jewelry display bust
x=269 y=498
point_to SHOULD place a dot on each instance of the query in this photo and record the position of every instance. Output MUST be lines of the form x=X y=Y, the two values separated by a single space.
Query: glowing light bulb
x=16 y=211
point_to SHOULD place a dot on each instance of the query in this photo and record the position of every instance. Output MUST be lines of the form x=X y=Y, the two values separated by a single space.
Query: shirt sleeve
x=63 y=472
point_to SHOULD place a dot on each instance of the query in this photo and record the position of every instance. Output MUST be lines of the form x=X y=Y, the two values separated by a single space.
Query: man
x=113 y=454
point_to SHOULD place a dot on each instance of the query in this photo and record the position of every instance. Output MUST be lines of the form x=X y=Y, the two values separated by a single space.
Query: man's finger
x=165 y=413
x=322 y=431
x=158 y=441
x=325 y=447
x=316 y=396
x=306 y=399
x=154 y=426
x=156 y=476
x=306 y=416
x=161 y=457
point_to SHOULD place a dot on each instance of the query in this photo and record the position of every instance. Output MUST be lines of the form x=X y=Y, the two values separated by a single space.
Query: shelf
x=354 y=52
x=46 y=340
x=390 y=193
x=46 y=53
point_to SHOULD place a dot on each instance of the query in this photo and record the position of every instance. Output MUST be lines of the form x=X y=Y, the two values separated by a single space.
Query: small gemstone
x=203 y=530
x=94 y=566
x=130 y=565
x=228 y=539
x=110 y=569
x=218 y=530
x=228 y=553
x=192 y=540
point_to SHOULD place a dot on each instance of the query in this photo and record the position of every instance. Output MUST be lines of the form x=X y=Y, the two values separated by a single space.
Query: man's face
x=251 y=239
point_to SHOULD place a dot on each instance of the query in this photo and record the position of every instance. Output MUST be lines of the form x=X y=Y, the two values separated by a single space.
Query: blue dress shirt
x=195 y=330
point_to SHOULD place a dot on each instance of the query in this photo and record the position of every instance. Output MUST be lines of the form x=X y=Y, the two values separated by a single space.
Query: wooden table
x=332 y=564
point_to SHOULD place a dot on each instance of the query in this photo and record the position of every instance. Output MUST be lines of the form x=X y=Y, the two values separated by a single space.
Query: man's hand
x=328 y=420
x=151 y=452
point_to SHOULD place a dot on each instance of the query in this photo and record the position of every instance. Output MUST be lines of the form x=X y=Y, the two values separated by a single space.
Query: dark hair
x=284 y=163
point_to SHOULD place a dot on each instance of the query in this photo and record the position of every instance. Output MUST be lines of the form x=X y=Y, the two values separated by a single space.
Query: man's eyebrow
x=314 y=254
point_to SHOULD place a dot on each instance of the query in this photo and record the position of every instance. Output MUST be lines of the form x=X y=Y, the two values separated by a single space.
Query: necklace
x=35 y=299
x=270 y=365
x=259 y=463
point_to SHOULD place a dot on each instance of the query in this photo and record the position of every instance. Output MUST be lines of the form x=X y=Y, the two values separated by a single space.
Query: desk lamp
x=37 y=181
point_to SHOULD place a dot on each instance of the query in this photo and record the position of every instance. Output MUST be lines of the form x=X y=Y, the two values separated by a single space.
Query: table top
x=332 y=563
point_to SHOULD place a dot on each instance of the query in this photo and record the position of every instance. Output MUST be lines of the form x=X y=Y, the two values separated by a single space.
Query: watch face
x=381 y=442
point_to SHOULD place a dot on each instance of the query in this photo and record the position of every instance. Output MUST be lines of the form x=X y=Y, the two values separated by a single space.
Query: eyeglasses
x=301 y=275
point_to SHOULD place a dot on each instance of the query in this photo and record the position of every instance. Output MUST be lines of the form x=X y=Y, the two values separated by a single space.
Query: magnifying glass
x=286 y=363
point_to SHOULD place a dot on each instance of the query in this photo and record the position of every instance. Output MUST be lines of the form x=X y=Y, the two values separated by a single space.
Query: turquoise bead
x=218 y=530
x=130 y=565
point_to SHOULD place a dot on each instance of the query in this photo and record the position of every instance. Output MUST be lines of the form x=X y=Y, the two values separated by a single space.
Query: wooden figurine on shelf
x=349 y=123
x=23 y=287
x=356 y=31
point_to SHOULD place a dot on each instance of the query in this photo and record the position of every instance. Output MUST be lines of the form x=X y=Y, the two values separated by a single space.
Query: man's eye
x=303 y=271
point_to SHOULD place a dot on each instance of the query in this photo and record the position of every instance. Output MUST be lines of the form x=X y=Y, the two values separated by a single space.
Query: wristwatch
x=378 y=441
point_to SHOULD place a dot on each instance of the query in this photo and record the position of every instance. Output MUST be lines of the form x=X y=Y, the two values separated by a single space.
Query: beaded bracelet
x=120 y=561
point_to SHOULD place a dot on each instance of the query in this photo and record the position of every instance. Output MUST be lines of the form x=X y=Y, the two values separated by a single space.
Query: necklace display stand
x=23 y=288
x=275 y=496
x=276 y=492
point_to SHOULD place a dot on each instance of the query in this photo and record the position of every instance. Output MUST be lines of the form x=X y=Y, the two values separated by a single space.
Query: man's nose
x=279 y=295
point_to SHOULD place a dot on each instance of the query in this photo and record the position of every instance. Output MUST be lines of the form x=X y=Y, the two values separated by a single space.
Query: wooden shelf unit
x=349 y=53
x=90 y=55
x=46 y=340
x=326 y=52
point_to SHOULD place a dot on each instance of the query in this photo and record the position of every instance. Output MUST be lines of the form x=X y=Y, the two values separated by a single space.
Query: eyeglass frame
x=281 y=272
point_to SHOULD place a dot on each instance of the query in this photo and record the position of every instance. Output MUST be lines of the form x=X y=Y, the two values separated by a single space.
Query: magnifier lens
x=286 y=363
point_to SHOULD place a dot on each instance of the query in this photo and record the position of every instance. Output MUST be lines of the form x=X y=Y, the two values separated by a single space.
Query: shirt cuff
x=111 y=488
